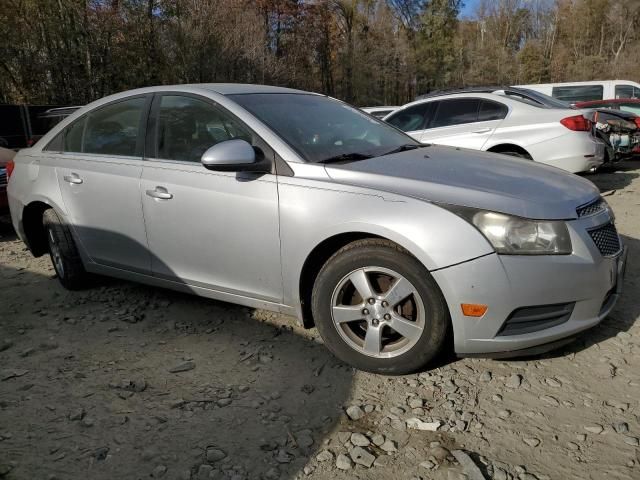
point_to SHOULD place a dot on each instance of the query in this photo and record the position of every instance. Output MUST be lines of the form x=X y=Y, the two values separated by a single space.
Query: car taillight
x=10 y=166
x=637 y=120
x=577 y=123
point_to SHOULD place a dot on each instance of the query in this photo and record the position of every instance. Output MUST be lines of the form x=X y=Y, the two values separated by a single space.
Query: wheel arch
x=509 y=147
x=33 y=227
x=319 y=255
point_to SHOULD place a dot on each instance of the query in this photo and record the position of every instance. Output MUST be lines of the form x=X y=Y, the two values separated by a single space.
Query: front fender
x=311 y=214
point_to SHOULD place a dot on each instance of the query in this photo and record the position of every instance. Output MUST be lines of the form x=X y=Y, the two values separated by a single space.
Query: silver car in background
x=301 y=204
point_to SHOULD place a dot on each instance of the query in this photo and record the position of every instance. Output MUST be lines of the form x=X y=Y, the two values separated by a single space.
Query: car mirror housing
x=235 y=156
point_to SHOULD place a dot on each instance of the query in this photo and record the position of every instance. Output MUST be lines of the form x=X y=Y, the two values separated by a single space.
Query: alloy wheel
x=378 y=312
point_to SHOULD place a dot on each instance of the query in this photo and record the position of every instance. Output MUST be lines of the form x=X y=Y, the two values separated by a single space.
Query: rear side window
x=114 y=129
x=578 y=93
x=188 y=127
x=627 y=91
x=456 y=112
x=410 y=119
x=492 y=111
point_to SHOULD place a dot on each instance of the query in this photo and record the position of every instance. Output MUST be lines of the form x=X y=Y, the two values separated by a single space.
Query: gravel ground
x=126 y=381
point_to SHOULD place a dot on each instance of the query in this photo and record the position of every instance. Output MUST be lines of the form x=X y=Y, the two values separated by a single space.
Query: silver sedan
x=301 y=204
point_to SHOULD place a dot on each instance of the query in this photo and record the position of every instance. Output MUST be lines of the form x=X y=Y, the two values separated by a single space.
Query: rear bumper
x=587 y=280
x=574 y=152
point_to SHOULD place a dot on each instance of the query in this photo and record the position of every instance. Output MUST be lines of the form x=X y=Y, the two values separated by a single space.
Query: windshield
x=320 y=128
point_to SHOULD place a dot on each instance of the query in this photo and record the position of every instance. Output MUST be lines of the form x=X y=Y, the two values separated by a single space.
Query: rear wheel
x=63 y=251
x=379 y=309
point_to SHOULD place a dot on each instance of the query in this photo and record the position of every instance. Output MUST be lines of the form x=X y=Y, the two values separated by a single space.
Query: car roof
x=238 y=88
x=466 y=94
x=603 y=102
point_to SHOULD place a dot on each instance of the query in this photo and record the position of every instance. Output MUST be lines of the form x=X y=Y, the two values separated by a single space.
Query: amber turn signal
x=473 y=309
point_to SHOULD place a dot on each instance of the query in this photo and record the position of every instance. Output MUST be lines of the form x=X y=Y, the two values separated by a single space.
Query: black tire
x=385 y=254
x=63 y=252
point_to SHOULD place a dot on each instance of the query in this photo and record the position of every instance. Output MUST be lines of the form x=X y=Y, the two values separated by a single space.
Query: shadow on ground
x=616 y=177
x=7 y=233
x=88 y=387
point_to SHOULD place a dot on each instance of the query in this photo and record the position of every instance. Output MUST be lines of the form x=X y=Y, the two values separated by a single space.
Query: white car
x=573 y=92
x=379 y=112
x=502 y=123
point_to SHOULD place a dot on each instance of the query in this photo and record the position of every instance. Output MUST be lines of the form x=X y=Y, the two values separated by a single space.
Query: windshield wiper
x=346 y=157
x=404 y=148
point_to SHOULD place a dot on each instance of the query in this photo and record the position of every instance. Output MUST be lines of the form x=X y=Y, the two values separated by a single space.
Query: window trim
x=86 y=116
x=151 y=137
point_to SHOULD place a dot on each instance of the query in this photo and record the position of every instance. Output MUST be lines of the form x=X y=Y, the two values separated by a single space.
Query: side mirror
x=234 y=156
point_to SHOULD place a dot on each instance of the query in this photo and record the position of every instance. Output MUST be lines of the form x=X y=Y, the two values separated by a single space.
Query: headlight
x=519 y=236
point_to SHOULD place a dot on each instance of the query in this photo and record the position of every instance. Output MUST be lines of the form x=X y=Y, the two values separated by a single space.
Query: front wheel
x=378 y=308
x=64 y=253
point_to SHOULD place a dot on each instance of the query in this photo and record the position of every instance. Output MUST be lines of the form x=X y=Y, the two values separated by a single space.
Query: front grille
x=606 y=239
x=592 y=208
x=532 y=319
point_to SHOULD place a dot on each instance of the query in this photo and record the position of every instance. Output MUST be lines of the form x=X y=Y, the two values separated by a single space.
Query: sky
x=469 y=8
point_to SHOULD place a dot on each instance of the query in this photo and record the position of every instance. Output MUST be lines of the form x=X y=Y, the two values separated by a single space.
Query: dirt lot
x=122 y=381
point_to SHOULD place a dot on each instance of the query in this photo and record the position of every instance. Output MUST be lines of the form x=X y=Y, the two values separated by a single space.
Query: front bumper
x=586 y=279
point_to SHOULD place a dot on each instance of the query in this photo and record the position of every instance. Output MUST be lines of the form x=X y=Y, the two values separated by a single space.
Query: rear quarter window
x=492 y=111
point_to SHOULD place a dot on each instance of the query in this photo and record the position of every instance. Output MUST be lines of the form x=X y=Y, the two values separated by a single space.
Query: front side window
x=114 y=129
x=456 y=112
x=409 y=119
x=320 y=128
x=492 y=111
x=627 y=91
x=578 y=93
x=188 y=127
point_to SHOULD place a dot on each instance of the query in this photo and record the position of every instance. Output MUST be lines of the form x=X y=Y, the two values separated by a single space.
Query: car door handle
x=161 y=193
x=482 y=130
x=74 y=178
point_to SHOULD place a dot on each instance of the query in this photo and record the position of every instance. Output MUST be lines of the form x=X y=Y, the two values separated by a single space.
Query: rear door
x=464 y=122
x=98 y=162
x=218 y=230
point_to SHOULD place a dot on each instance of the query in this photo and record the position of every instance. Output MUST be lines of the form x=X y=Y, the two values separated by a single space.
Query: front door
x=98 y=162
x=216 y=230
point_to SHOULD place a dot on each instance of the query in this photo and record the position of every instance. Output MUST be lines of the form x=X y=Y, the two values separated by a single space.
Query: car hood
x=472 y=179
